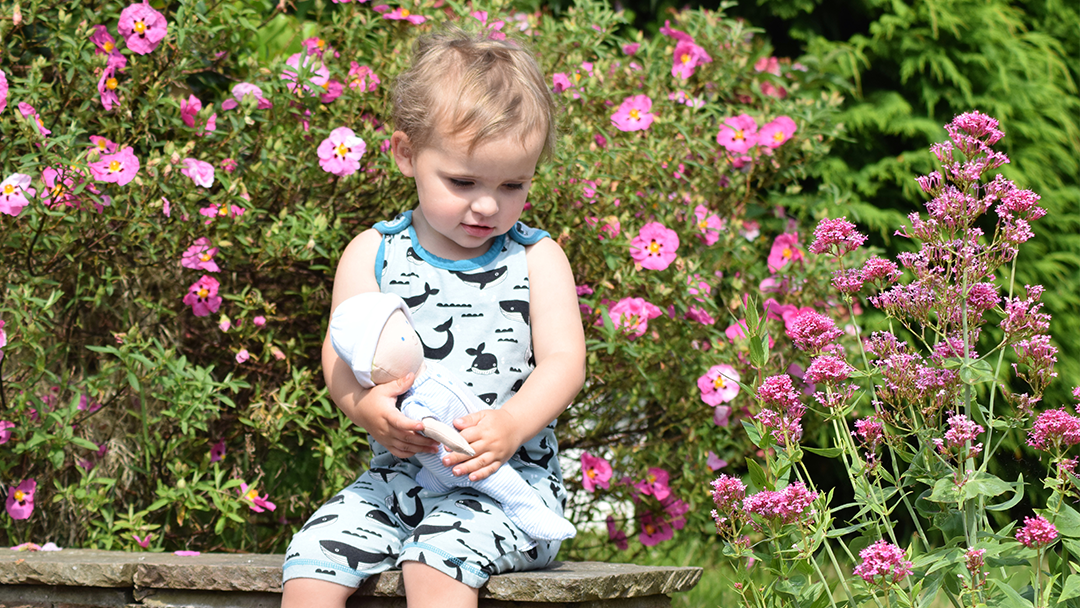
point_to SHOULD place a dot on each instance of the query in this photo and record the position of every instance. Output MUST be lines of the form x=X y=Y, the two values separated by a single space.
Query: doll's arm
x=444 y=408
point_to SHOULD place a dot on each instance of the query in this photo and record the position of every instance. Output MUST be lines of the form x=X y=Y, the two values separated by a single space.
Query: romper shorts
x=386 y=518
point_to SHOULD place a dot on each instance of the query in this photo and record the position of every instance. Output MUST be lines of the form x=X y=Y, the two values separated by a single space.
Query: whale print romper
x=473 y=317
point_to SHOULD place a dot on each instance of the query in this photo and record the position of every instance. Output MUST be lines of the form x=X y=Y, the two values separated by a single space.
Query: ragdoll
x=373 y=333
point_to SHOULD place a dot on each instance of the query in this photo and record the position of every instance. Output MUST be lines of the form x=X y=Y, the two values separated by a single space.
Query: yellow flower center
x=651 y=478
x=703 y=224
x=739 y=135
x=101 y=144
x=635 y=114
x=577 y=76
x=654 y=247
x=39 y=122
x=320 y=43
x=203 y=292
x=342 y=150
x=19 y=495
x=252 y=494
x=786 y=253
x=58 y=190
x=140 y=27
x=222 y=211
x=111 y=84
x=206 y=257
x=686 y=58
x=114 y=166
x=8 y=189
x=778 y=136
x=591 y=473
x=108 y=46
x=325 y=85
x=719 y=383
x=649 y=529
x=404 y=12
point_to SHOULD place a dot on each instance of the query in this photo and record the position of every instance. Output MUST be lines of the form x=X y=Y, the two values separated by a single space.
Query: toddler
x=492 y=300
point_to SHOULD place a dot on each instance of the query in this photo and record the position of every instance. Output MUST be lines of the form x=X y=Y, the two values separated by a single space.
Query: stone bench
x=84 y=578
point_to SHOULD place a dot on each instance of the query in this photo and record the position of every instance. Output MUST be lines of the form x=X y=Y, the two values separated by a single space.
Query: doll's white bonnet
x=355 y=328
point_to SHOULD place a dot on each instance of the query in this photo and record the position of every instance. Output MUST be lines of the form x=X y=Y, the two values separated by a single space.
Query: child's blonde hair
x=470 y=83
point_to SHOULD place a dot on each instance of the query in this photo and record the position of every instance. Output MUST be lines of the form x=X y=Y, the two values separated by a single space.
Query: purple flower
x=1054 y=430
x=340 y=153
x=631 y=316
x=828 y=369
x=654 y=530
x=217 y=451
x=3 y=91
x=5 y=426
x=714 y=462
x=885 y=560
x=786 y=506
x=107 y=89
x=362 y=77
x=20 y=499
x=728 y=493
x=1036 y=533
x=311 y=66
x=142 y=27
x=634 y=114
x=104 y=43
x=848 y=280
x=616 y=535
x=203 y=296
x=881 y=271
x=256 y=503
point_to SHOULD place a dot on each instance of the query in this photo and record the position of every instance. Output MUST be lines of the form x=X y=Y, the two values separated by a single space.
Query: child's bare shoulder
x=356 y=268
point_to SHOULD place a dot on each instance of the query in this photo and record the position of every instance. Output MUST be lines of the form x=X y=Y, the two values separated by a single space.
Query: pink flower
x=616 y=535
x=107 y=89
x=5 y=426
x=3 y=91
x=189 y=110
x=633 y=114
x=340 y=153
x=786 y=506
x=631 y=315
x=654 y=531
x=719 y=384
x=709 y=224
x=215 y=211
x=714 y=462
x=143 y=542
x=403 y=14
x=142 y=27
x=721 y=415
x=203 y=296
x=104 y=43
x=28 y=111
x=361 y=77
x=738 y=134
x=655 y=484
x=257 y=503
x=200 y=256
x=667 y=30
x=881 y=271
x=812 y=332
x=770 y=89
x=631 y=47
x=228 y=165
x=687 y=57
x=1036 y=533
x=836 y=236
x=1054 y=430
x=828 y=369
x=885 y=560
x=309 y=68
x=728 y=493
x=654 y=246
x=595 y=471
x=13 y=191
x=200 y=172
x=217 y=451
x=186 y=553
x=785 y=249
x=768 y=64
x=259 y=321
x=243 y=89
x=102 y=145
x=333 y=90
x=20 y=499
x=243 y=355
x=119 y=168
x=560 y=82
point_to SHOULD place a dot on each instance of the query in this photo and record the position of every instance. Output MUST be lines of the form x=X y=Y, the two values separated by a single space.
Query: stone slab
x=565 y=583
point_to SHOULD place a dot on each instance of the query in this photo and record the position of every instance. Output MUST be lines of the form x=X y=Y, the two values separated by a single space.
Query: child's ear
x=403 y=153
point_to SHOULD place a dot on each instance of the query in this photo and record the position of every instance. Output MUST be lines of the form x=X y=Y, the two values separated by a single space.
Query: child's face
x=466 y=200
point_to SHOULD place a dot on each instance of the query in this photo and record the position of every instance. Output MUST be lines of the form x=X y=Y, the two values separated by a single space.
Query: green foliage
x=119 y=388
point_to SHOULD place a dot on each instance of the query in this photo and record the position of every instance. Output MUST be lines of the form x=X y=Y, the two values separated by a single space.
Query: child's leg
x=426 y=587
x=313 y=593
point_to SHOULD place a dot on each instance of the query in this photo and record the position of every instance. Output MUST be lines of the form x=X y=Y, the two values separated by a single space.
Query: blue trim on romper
x=325 y=564
x=457 y=561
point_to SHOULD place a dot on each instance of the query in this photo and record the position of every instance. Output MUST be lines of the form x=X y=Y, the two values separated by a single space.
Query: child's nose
x=485 y=205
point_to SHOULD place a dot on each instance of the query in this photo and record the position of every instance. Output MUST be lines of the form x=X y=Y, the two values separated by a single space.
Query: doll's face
x=399 y=351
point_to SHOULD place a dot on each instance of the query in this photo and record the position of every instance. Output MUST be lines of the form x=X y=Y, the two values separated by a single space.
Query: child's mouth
x=476 y=230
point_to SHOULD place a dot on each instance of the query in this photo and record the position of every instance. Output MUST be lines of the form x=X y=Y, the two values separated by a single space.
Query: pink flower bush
x=785 y=249
x=203 y=296
x=362 y=78
x=255 y=502
x=242 y=90
x=688 y=56
x=738 y=134
x=654 y=530
x=20 y=499
x=119 y=168
x=595 y=471
x=340 y=153
x=1036 y=532
x=885 y=560
x=28 y=111
x=142 y=27
x=775 y=133
x=634 y=114
x=654 y=247
x=200 y=172
x=719 y=384
x=632 y=315
x=200 y=256
x=13 y=192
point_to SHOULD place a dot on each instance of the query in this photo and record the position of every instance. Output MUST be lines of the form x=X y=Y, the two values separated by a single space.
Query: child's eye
x=514 y=186
x=459 y=183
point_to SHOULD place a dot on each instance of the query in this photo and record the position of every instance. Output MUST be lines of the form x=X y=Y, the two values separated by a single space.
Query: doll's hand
x=492 y=434
x=386 y=424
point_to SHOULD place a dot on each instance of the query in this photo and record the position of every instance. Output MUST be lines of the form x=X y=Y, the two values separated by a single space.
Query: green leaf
x=83 y=443
x=826 y=452
x=1071 y=588
x=944 y=491
x=1013 y=599
x=1066 y=520
x=752 y=431
x=1012 y=502
x=985 y=484
x=757 y=474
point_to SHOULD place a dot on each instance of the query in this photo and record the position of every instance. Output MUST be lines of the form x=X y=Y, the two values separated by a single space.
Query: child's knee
x=313 y=593
x=426 y=586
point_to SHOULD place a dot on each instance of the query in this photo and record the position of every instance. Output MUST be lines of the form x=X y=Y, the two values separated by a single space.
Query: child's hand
x=386 y=424
x=493 y=435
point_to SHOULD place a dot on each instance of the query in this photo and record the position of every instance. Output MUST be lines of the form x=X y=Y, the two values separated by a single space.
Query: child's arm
x=559 y=347
x=376 y=409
